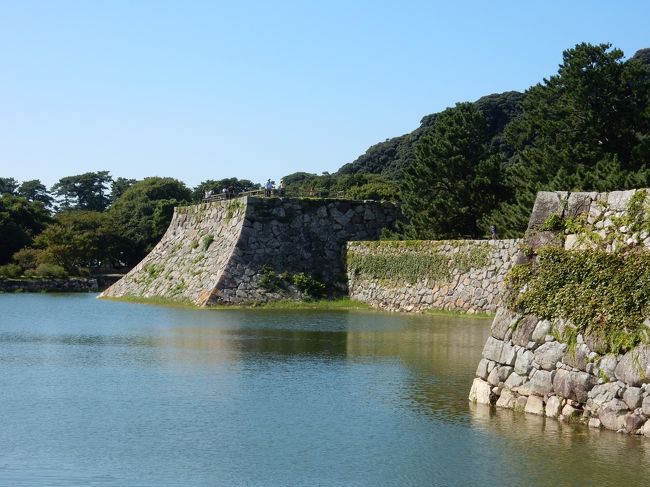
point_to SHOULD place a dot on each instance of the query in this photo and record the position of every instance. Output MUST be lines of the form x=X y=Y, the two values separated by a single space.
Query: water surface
x=118 y=394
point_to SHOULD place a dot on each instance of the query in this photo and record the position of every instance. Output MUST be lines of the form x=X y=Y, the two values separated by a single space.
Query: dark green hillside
x=393 y=155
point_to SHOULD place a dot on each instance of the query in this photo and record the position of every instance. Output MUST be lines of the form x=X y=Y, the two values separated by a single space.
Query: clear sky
x=207 y=89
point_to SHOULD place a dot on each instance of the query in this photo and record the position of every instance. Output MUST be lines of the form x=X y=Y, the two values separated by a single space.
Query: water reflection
x=126 y=394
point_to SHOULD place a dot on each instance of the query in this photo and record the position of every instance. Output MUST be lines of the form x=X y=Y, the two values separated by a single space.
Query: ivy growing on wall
x=603 y=288
x=413 y=261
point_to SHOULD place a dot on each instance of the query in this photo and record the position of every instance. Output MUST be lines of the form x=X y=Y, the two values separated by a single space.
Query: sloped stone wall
x=218 y=252
x=468 y=276
x=525 y=364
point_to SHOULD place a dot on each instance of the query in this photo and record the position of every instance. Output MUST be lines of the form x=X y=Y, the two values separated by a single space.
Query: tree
x=144 y=211
x=20 y=221
x=217 y=185
x=585 y=128
x=119 y=186
x=81 y=238
x=455 y=181
x=8 y=186
x=34 y=190
x=88 y=191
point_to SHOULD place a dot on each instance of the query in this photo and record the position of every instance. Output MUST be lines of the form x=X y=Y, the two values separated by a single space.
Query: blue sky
x=206 y=89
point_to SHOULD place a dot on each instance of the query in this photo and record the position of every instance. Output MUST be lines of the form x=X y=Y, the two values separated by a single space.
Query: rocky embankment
x=571 y=341
x=525 y=367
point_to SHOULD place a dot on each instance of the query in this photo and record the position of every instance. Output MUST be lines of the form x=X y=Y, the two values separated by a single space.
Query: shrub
x=50 y=270
x=27 y=258
x=308 y=285
x=11 y=271
x=207 y=241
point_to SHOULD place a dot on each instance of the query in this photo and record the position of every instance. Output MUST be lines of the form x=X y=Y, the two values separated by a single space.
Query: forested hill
x=390 y=157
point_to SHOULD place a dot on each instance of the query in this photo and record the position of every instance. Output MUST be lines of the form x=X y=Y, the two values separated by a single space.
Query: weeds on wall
x=413 y=261
x=605 y=293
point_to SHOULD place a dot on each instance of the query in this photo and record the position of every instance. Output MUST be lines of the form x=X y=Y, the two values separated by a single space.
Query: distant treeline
x=472 y=166
x=90 y=221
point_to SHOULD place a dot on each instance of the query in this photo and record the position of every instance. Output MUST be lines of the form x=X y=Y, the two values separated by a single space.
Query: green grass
x=323 y=305
x=485 y=315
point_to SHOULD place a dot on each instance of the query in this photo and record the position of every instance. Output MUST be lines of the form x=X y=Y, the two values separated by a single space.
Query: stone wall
x=219 y=252
x=465 y=275
x=68 y=285
x=526 y=362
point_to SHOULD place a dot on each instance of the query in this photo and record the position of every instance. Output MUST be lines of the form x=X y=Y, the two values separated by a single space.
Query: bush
x=27 y=258
x=11 y=271
x=50 y=270
x=308 y=285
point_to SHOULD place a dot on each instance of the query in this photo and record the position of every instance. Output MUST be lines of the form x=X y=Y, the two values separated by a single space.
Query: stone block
x=612 y=415
x=645 y=406
x=548 y=354
x=569 y=411
x=481 y=392
x=573 y=385
x=524 y=331
x=508 y=354
x=546 y=204
x=634 y=366
x=632 y=422
x=506 y=400
x=632 y=397
x=542 y=329
x=601 y=394
x=499 y=374
x=503 y=321
x=577 y=357
x=553 y=407
x=535 y=405
x=607 y=365
x=514 y=381
x=524 y=361
x=540 y=383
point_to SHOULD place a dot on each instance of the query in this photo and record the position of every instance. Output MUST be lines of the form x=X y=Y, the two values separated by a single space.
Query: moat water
x=101 y=393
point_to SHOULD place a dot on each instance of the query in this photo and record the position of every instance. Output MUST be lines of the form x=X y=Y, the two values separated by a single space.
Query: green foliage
x=413 y=261
x=20 y=221
x=11 y=271
x=79 y=238
x=350 y=186
x=455 y=180
x=34 y=190
x=119 y=186
x=584 y=128
x=144 y=211
x=8 y=186
x=216 y=186
x=601 y=293
x=88 y=191
x=51 y=270
x=308 y=285
x=554 y=222
x=269 y=280
x=207 y=241
x=27 y=257
x=389 y=158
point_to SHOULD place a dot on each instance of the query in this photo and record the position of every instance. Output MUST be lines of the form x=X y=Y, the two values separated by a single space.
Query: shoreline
x=340 y=304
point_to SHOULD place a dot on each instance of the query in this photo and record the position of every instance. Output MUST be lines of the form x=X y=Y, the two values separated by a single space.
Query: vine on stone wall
x=603 y=288
x=413 y=261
